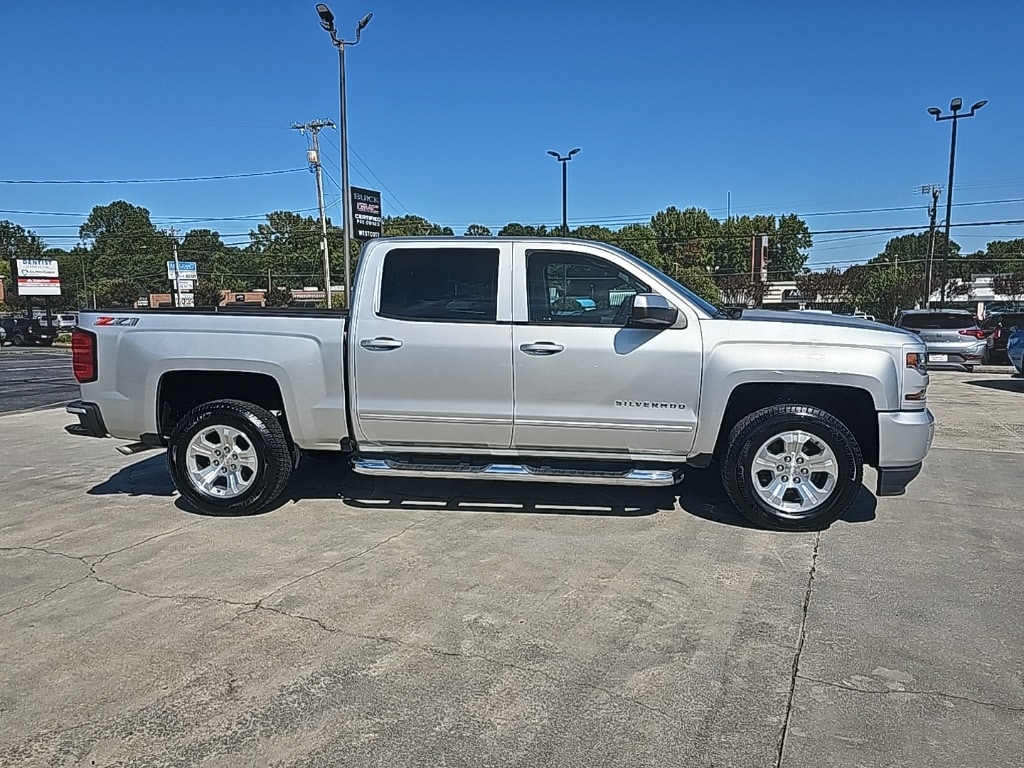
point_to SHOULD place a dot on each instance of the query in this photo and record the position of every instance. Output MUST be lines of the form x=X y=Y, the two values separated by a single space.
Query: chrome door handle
x=541 y=348
x=380 y=344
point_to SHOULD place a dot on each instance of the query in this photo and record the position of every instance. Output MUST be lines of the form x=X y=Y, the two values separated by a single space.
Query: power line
x=152 y=181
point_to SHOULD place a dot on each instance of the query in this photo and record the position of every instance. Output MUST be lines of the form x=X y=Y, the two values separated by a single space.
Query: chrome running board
x=463 y=470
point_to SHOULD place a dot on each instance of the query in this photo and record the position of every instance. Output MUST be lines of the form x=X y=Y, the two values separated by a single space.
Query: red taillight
x=975 y=332
x=83 y=355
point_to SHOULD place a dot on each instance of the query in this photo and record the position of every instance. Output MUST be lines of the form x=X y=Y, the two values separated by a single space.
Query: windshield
x=702 y=304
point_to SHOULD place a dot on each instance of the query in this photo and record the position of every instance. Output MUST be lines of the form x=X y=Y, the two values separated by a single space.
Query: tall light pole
x=565 y=162
x=954 y=107
x=327 y=22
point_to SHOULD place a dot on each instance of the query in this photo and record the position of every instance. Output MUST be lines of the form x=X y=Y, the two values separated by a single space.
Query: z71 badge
x=116 y=321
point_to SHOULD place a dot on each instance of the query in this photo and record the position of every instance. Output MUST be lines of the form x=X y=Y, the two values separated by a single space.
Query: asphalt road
x=385 y=623
x=35 y=377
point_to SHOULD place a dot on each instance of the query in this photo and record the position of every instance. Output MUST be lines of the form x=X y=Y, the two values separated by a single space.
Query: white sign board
x=186 y=285
x=37 y=268
x=37 y=277
x=186 y=299
x=186 y=270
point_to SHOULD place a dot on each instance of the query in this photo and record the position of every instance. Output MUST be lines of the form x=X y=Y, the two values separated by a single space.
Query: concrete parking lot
x=373 y=623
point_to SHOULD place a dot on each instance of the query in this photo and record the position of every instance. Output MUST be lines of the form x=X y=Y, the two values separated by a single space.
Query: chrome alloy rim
x=795 y=472
x=221 y=462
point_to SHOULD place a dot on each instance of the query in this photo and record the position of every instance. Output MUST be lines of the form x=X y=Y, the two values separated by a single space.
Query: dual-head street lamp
x=564 y=161
x=327 y=22
x=954 y=107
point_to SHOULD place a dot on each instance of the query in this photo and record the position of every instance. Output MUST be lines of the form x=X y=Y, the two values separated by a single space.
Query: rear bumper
x=90 y=420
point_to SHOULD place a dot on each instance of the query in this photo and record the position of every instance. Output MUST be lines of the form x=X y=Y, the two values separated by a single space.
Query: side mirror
x=652 y=311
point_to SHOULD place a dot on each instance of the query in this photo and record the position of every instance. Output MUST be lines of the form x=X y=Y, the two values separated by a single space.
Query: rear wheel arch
x=178 y=392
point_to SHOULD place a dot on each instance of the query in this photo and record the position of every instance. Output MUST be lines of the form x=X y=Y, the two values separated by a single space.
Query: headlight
x=918 y=361
x=915 y=377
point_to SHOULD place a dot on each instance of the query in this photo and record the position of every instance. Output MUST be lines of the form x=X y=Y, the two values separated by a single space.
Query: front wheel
x=792 y=467
x=18 y=340
x=229 y=457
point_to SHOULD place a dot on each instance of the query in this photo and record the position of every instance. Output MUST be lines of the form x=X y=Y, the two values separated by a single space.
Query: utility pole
x=313 y=156
x=177 y=284
x=933 y=190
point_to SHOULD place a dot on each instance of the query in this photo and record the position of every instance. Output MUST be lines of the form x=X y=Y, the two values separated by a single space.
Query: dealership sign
x=366 y=216
x=36 y=277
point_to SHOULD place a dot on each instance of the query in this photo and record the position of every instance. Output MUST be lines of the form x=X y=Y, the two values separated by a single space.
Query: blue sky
x=804 y=107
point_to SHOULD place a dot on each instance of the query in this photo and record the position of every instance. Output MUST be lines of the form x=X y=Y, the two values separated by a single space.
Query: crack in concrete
x=799 y=651
x=252 y=605
x=509 y=665
x=344 y=560
x=84 y=559
x=888 y=691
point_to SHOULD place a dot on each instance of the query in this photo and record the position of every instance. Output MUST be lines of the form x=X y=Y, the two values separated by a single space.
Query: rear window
x=945 y=321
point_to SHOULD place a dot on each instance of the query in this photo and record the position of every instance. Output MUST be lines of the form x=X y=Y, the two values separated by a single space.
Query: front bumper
x=90 y=420
x=904 y=439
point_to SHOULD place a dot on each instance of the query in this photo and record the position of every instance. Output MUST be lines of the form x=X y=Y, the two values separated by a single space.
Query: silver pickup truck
x=513 y=359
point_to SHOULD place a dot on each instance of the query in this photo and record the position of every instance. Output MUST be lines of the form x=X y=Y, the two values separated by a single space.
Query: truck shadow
x=1004 y=385
x=700 y=494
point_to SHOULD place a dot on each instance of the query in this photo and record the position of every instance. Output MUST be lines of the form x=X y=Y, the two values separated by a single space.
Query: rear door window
x=440 y=284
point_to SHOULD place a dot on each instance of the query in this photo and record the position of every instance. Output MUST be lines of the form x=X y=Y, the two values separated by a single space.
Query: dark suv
x=22 y=331
x=998 y=326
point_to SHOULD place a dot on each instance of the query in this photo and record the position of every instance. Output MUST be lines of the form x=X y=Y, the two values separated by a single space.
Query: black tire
x=969 y=368
x=18 y=340
x=986 y=357
x=755 y=432
x=262 y=436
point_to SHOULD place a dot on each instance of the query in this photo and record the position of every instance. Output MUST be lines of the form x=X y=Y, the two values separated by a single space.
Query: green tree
x=118 y=292
x=593 y=232
x=826 y=290
x=700 y=282
x=16 y=242
x=407 y=226
x=515 y=229
x=890 y=289
x=123 y=244
x=685 y=238
x=288 y=245
x=278 y=297
x=639 y=240
x=477 y=230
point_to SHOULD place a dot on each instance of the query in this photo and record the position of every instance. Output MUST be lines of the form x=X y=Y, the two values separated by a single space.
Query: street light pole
x=565 y=162
x=954 y=107
x=327 y=22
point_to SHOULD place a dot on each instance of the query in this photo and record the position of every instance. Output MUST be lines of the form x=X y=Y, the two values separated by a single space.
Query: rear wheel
x=229 y=457
x=792 y=467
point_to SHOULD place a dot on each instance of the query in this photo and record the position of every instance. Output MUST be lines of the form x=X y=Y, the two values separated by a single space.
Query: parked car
x=3 y=335
x=998 y=326
x=1015 y=350
x=952 y=336
x=22 y=331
